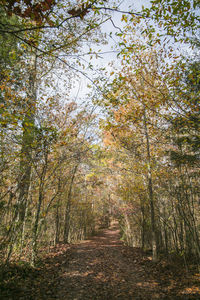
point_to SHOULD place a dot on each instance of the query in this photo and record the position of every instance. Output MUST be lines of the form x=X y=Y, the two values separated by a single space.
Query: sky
x=79 y=89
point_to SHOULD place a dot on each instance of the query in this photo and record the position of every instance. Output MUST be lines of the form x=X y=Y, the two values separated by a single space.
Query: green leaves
x=178 y=18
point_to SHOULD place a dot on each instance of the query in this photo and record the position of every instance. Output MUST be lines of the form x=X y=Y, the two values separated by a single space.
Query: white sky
x=80 y=88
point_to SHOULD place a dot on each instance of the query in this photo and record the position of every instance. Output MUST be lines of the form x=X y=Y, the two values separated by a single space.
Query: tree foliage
x=64 y=173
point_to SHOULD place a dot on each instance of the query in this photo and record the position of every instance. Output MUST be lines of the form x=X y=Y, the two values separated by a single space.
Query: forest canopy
x=126 y=149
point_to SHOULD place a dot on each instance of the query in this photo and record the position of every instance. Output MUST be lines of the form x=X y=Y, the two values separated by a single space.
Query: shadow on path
x=105 y=269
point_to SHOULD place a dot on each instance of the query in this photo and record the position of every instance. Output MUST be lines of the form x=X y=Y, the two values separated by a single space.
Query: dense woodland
x=128 y=151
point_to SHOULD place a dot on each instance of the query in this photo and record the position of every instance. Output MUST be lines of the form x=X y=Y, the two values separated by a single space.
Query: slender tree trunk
x=165 y=232
x=27 y=140
x=150 y=189
x=57 y=223
x=24 y=228
x=143 y=224
x=39 y=204
x=35 y=227
x=68 y=207
x=17 y=222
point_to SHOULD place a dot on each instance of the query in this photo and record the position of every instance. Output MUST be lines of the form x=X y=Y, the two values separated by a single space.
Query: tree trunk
x=40 y=200
x=68 y=207
x=57 y=223
x=16 y=228
x=150 y=190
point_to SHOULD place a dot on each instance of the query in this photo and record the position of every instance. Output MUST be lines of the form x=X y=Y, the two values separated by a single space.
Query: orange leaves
x=108 y=138
x=29 y=10
x=80 y=11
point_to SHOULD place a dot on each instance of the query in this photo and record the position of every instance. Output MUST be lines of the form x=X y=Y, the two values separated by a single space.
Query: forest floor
x=100 y=268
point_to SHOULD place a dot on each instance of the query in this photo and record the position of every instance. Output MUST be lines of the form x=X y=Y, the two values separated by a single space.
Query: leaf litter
x=102 y=268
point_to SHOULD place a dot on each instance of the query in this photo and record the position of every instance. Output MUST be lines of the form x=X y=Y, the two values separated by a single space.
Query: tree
x=178 y=19
x=40 y=39
x=133 y=108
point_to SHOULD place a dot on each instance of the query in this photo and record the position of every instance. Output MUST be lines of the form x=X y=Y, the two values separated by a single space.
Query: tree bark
x=68 y=207
x=150 y=190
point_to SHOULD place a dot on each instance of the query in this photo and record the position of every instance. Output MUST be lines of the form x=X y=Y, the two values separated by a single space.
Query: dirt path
x=103 y=268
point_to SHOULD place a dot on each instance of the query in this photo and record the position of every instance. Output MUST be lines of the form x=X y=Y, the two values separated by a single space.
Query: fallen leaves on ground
x=100 y=268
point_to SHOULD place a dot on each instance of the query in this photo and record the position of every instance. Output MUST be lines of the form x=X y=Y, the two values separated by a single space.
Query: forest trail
x=104 y=268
